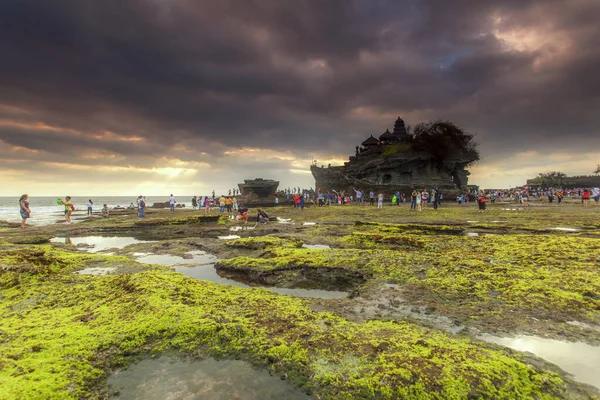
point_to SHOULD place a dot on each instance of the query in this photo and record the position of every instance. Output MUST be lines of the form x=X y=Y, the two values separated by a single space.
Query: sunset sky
x=176 y=96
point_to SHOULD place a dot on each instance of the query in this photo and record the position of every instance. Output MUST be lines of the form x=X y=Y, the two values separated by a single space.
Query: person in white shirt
x=359 y=196
x=90 y=204
x=596 y=195
x=172 y=203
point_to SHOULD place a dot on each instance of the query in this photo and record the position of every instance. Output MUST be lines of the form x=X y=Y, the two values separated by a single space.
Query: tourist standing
x=206 y=205
x=229 y=205
x=596 y=195
x=172 y=203
x=481 y=200
x=413 y=200
x=301 y=204
x=525 y=198
x=559 y=196
x=105 y=211
x=371 y=198
x=424 y=198
x=359 y=196
x=222 y=204
x=434 y=199
x=90 y=204
x=418 y=201
x=141 y=206
x=585 y=197
x=194 y=202
x=380 y=200
x=234 y=203
x=24 y=209
x=68 y=208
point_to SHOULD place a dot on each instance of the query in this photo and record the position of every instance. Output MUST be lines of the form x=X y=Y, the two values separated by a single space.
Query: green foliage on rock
x=262 y=242
x=551 y=277
x=61 y=332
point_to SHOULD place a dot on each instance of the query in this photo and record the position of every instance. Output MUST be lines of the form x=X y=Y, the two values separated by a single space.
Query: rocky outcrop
x=259 y=188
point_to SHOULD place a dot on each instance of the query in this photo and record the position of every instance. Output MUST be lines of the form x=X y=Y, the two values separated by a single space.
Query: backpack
x=143 y=204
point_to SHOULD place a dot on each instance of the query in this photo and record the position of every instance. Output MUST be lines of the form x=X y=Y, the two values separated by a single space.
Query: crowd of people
x=419 y=200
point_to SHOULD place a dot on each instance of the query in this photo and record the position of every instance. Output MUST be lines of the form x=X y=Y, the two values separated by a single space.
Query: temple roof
x=387 y=135
x=400 y=129
x=370 y=141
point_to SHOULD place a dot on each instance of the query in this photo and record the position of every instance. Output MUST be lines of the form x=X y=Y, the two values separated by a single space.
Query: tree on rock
x=444 y=141
x=550 y=179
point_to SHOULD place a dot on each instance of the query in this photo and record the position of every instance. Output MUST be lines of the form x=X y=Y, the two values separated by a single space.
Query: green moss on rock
x=61 y=333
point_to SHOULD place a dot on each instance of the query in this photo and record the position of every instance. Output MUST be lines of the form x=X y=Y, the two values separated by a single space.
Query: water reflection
x=479 y=234
x=196 y=257
x=98 y=244
x=579 y=359
x=163 y=378
x=316 y=246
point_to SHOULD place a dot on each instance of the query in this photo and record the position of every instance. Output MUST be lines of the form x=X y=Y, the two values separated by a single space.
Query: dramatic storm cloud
x=119 y=97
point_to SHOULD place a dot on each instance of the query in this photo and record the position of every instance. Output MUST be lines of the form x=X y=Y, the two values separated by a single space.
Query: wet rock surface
x=516 y=276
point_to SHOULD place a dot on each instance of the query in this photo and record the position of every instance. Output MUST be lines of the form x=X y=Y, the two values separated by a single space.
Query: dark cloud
x=292 y=75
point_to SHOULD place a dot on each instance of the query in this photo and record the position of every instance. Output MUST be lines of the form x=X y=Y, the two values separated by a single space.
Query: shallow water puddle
x=97 y=244
x=209 y=273
x=578 y=359
x=316 y=246
x=197 y=257
x=558 y=228
x=238 y=228
x=309 y=223
x=284 y=220
x=163 y=378
x=478 y=234
x=96 y=271
x=228 y=237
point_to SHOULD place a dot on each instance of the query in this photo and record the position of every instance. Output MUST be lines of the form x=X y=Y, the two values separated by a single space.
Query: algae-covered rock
x=262 y=242
x=30 y=239
x=62 y=333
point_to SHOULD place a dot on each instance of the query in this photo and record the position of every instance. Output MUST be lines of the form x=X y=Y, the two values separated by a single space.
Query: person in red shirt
x=585 y=197
x=481 y=200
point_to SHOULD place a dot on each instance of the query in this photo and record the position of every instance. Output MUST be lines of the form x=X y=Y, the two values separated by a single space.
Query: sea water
x=46 y=211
